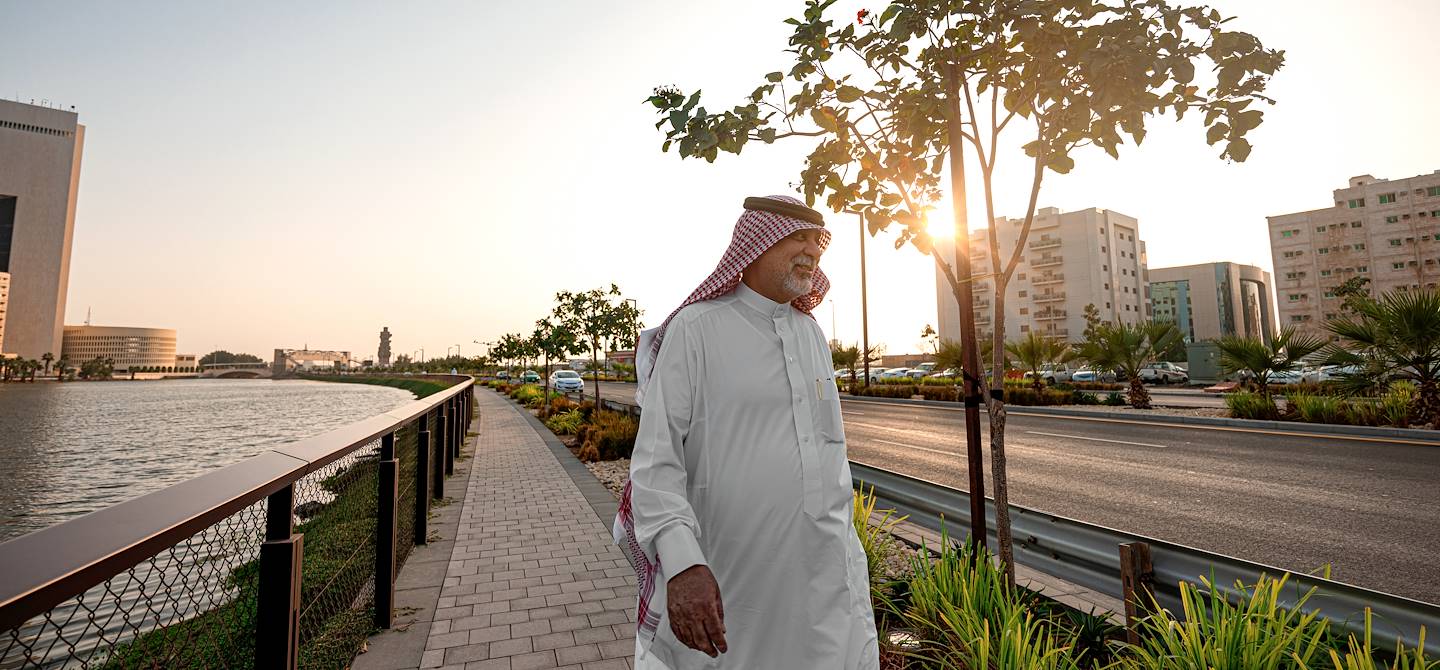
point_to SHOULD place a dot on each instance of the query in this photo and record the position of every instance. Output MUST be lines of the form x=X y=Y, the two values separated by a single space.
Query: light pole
x=864 y=307
x=634 y=314
x=457 y=349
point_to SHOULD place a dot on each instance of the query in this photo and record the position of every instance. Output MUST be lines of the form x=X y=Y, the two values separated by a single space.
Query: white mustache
x=803 y=261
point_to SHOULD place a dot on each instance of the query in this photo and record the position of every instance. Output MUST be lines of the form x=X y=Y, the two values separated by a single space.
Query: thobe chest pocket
x=832 y=426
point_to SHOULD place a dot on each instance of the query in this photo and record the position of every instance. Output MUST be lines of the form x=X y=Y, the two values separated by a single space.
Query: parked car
x=503 y=375
x=1089 y=375
x=944 y=374
x=1164 y=372
x=921 y=370
x=1286 y=378
x=1329 y=373
x=1054 y=374
x=566 y=381
x=530 y=377
x=895 y=373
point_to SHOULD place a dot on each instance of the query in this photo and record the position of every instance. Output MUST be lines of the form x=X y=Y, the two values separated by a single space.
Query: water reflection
x=68 y=449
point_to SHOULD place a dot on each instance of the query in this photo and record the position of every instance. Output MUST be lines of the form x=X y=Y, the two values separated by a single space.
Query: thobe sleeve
x=665 y=523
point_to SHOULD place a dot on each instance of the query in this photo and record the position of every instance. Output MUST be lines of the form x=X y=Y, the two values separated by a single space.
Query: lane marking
x=862 y=424
x=851 y=411
x=1189 y=426
x=1097 y=439
x=911 y=446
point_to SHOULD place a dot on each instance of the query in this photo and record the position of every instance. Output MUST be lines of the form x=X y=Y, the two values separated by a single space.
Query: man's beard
x=795 y=284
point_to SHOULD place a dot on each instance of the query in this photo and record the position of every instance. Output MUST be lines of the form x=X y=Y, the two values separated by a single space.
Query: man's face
x=788 y=267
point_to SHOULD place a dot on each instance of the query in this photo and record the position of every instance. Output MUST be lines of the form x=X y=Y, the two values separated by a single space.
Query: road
x=1368 y=508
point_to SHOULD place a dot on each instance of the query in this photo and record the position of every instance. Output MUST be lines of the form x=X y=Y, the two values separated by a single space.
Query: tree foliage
x=1260 y=360
x=1395 y=335
x=1035 y=352
x=600 y=319
x=1124 y=349
x=222 y=357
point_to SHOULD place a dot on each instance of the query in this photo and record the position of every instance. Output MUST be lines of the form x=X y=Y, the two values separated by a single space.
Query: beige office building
x=1088 y=257
x=4 y=300
x=40 y=150
x=130 y=348
x=1212 y=300
x=1385 y=230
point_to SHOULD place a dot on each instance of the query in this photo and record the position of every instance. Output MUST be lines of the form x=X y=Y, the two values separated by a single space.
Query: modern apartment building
x=130 y=348
x=1212 y=300
x=40 y=151
x=1385 y=230
x=1087 y=257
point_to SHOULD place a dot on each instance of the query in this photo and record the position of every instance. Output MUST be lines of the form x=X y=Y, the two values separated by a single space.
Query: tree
x=1353 y=292
x=222 y=357
x=598 y=318
x=845 y=358
x=1092 y=321
x=1395 y=335
x=552 y=340
x=97 y=368
x=1124 y=349
x=1261 y=360
x=931 y=338
x=1034 y=352
x=893 y=99
x=47 y=357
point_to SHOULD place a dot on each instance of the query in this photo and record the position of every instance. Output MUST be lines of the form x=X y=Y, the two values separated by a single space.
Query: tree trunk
x=595 y=371
x=1429 y=397
x=1139 y=397
x=997 y=432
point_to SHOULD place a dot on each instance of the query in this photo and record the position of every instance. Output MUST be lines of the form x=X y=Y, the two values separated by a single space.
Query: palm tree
x=1125 y=349
x=47 y=358
x=1261 y=360
x=1395 y=335
x=845 y=357
x=1035 y=351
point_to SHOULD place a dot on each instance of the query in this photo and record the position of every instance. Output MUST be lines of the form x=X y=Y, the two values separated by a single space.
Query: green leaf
x=690 y=104
x=767 y=135
x=1238 y=150
x=1216 y=133
x=1244 y=121
x=678 y=119
x=774 y=77
x=848 y=94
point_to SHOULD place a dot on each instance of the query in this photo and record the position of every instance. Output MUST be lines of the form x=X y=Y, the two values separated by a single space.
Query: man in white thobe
x=739 y=501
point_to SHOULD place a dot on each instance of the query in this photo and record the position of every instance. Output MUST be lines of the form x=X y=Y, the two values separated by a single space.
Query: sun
x=939 y=220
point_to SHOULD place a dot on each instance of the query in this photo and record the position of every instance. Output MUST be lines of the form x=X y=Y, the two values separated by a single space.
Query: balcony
x=1047 y=261
x=1048 y=279
x=982 y=304
x=982 y=319
x=1050 y=315
x=1044 y=244
x=977 y=288
x=1049 y=297
x=1058 y=333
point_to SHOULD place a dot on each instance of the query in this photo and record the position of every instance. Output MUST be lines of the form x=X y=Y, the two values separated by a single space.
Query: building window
x=1024 y=328
x=1295 y=297
x=1022 y=276
x=1295 y=318
x=1024 y=310
x=1284 y=233
x=1102 y=249
x=1324 y=273
x=1107 y=305
x=1355 y=224
x=1323 y=250
x=1362 y=268
x=1397 y=266
x=1387 y=198
x=1360 y=246
x=1319 y=229
x=1394 y=242
x=1329 y=294
x=1357 y=202
x=1392 y=219
x=1024 y=293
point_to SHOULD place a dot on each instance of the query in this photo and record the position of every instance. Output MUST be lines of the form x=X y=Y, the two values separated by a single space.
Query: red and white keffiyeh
x=755 y=233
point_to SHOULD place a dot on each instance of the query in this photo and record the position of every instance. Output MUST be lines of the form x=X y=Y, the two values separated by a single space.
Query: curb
x=1295 y=427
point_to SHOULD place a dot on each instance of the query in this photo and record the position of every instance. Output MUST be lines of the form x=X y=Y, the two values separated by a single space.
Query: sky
x=270 y=175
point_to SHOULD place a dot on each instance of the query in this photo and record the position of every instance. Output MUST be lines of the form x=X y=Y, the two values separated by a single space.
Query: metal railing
x=1048 y=279
x=286 y=559
x=1047 y=261
x=1044 y=243
x=1089 y=555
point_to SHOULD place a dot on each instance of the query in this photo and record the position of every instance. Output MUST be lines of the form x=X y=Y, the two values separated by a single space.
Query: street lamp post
x=864 y=307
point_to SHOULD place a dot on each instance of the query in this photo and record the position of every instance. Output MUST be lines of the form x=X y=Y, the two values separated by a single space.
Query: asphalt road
x=1369 y=509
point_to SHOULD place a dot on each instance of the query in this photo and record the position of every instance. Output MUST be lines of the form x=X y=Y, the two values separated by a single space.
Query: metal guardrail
x=208 y=572
x=1088 y=555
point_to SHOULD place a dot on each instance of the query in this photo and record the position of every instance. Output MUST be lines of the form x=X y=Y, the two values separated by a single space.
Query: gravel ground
x=613 y=474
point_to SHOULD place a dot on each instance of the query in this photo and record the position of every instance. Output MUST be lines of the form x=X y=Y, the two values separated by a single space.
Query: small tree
x=553 y=340
x=846 y=358
x=47 y=357
x=1397 y=334
x=1125 y=349
x=598 y=318
x=894 y=99
x=1035 y=352
x=1260 y=360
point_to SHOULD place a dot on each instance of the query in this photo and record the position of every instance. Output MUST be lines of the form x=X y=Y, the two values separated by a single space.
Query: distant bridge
x=237 y=371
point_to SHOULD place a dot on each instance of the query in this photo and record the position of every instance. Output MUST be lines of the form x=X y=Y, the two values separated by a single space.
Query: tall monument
x=385 y=347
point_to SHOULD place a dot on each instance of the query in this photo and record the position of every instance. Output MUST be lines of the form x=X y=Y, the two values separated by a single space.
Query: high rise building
x=1212 y=300
x=1387 y=231
x=384 y=353
x=4 y=301
x=40 y=150
x=1088 y=257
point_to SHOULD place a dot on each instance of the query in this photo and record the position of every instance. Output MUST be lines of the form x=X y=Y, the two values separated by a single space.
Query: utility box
x=1204 y=362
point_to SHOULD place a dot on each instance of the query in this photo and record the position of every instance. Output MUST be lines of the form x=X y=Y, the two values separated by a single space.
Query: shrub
x=1247 y=405
x=1086 y=399
x=888 y=390
x=529 y=395
x=1026 y=395
x=1317 y=408
x=559 y=403
x=942 y=393
x=612 y=434
x=565 y=423
x=875 y=538
x=588 y=453
x=1115 y=399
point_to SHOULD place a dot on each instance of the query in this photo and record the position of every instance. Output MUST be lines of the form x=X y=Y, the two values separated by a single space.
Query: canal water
x=68 y=449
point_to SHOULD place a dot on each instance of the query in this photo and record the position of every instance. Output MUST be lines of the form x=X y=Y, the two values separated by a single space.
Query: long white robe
x=740 y=465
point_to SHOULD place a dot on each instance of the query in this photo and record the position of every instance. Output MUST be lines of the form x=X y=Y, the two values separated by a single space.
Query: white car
x=1089 y=375
x=921 y=370
x=896 y=373
x=1283 y=378
x=1054 y=374
x=876 y=373
x=1164 y=373
x=566 y=381
x=1328 y=373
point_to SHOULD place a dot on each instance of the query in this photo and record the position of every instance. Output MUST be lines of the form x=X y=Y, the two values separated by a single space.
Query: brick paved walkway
x=534 y=581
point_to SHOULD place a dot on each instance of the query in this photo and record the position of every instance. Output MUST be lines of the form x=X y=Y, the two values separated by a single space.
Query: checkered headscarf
x=755 y=233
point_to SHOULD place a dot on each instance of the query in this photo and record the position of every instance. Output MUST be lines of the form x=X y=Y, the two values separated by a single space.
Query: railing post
x=277 y=607
x=385 y=532
x=452 y=423
x=1137 y=580
x=422 y=479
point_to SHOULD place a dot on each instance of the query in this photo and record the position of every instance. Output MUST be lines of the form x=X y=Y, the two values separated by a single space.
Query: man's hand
x=697 y=616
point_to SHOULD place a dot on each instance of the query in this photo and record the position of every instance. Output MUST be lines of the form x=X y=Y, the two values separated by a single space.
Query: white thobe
x=740 y=465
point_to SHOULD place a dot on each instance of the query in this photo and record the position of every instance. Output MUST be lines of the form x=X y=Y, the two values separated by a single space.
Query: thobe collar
x=750 y=298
